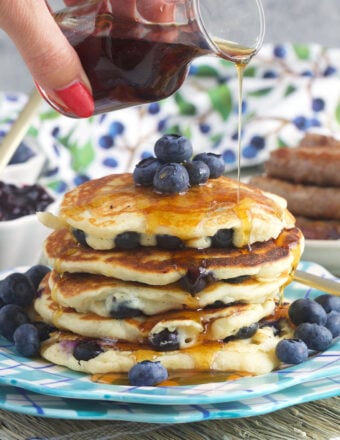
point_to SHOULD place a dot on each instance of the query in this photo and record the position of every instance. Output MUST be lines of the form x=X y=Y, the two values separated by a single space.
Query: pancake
x=255 y=355
x=154 y=266
x=189 y=327
x=102 y=209
x=109 y=297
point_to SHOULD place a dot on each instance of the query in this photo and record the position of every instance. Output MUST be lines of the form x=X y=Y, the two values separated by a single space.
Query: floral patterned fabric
x=287 y=90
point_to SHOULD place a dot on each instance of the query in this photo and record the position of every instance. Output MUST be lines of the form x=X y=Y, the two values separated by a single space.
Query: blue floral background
x=288 y=90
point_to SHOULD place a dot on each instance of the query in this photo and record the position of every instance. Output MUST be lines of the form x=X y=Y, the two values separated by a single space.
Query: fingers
x=51 y=60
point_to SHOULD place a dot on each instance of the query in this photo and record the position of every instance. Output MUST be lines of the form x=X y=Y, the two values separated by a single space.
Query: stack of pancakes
x=139 y=275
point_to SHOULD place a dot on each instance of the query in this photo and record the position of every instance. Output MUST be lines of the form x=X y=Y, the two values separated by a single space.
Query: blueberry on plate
x=215 y=163
x=315 y=336
x=17 y=289
x=292 y=351
x=87 y=350
x=144 y=171
x=171 y=178
x=306 y=310
x=26 y=340
x=329 y=302
x=147 y=373
x=173 y=148
x=333 y=323
x=11 y=317
x=36 y=273
x=198 y=171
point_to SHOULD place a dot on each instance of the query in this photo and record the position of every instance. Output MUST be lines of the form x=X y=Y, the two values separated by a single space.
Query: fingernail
x=77 y=99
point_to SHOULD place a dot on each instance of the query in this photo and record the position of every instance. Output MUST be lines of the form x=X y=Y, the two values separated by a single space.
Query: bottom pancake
x=255 y=355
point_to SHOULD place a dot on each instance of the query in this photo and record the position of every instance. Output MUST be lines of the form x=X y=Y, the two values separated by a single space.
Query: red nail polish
x=77 y=98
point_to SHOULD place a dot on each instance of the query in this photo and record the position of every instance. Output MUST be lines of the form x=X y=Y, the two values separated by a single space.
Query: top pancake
x=106 y=207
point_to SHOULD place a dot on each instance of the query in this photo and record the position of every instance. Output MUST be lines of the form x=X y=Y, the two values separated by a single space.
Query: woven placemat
x=315 y=421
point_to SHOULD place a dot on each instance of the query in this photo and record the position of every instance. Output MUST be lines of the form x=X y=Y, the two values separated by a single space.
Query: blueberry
x=36 y=274
x=198 y=171
x=80 y=236
x=196 y=280
x=247 y=332
x=87 y=350
x=127 y=240
x=244 y=332
x=333 y=323
x=144 y=171
x=306 y=310
x=11 y=316
x=171 y=178
x=147 y=373
x=215 y=163
x=123 y=310
x=292 y=351
x=329 y=302
x=44 y=329
x=237 y=280
x=173 y=148
x=164 y=340
x=222 y=239
x=166 y=241
x=26 y=340
x=315 y=336
x=17 y=289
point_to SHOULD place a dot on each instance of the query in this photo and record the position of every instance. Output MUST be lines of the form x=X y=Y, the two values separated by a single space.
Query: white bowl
x=26 y=173
x=21 y=239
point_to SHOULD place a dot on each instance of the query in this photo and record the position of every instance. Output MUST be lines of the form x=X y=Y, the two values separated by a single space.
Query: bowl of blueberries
x=21 y=234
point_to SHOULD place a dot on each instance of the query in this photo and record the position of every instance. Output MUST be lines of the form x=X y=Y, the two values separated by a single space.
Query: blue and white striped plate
x=44 y=378
x=23 y=401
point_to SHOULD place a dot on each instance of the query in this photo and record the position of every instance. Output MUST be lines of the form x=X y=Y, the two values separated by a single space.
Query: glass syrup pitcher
x=139 y=51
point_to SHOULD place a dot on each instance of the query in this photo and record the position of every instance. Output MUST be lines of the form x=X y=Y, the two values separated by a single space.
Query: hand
x=51 y=60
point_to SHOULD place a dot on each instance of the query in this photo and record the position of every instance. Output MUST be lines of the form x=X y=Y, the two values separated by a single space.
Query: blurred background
x=302 y=21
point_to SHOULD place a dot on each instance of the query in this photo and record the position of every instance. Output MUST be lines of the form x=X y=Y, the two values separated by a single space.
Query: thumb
x=51 y=60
